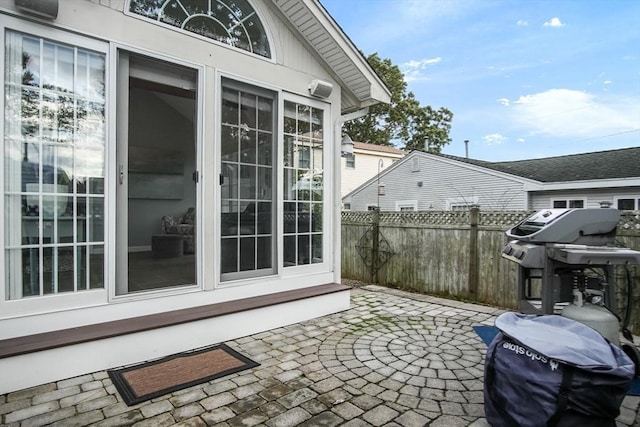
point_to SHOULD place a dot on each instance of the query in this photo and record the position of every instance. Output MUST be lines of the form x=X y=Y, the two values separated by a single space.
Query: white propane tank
x=594 y=316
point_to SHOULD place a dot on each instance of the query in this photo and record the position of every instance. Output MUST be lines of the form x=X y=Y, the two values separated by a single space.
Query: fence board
x=431 y=254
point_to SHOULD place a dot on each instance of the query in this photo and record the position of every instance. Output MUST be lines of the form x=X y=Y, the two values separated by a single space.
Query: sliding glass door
x=247 y=201
x=156 y=175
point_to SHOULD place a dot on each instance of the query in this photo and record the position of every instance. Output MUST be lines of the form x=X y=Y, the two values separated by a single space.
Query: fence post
x=375 y=244
x=473 y=252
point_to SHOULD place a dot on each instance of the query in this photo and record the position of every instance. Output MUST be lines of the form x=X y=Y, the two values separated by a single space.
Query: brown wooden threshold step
x=54 y=339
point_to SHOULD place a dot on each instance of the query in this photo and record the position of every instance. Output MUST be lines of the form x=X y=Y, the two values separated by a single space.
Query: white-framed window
x=54 y=158
x=231 y=22
x=406 y=205
x=462 y=203
x=372 y=207
x=568 y=203
x=346 y=206
x=303 y=223
x=350 y=161
x=627 y=203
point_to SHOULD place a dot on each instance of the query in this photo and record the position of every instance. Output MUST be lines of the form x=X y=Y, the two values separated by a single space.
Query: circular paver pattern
x=401 y=347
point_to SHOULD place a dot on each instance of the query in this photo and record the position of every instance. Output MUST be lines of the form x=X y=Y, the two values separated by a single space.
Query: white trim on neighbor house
x=461 y=202
x=568 y=202
x=591 y=184
x=634 y=197
x=402 y=204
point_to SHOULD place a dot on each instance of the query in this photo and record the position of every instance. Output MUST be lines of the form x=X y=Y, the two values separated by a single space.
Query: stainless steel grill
x=558 y=250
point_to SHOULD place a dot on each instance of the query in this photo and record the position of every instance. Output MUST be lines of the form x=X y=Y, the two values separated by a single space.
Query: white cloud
x=574 y=114
x=413 y=70
x=521 y=140
x=522 y=23
x=554 y=22
x=494 y=139
x=504 y=101
x=422 y=63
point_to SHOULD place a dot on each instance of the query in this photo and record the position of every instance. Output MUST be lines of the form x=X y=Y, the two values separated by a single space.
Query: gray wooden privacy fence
x=455 y=254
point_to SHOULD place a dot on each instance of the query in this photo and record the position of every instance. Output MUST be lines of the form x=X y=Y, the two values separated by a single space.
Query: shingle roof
x=613 y=164
x=379 y=148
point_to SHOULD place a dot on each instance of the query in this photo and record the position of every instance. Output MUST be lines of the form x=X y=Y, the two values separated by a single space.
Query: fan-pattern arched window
x=233 y=22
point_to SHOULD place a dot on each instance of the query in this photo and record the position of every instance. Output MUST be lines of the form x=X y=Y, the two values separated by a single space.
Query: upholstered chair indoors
x=183 y=225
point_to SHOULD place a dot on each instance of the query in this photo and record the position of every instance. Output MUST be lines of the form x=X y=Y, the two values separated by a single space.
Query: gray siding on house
x=443 y=182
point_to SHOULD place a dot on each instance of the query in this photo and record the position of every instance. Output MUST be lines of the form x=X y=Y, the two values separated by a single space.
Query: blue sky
x=524 y=79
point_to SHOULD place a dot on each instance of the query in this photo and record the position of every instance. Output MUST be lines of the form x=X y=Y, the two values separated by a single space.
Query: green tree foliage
x=404 y=120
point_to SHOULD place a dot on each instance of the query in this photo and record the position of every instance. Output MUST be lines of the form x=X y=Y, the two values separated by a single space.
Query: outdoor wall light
x=346 y=146
x=42 y=8
x=320 y=88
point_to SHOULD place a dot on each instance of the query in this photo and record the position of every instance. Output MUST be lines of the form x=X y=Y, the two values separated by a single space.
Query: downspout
x=337 y=188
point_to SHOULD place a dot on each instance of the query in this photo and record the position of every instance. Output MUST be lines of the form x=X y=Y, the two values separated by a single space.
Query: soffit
x=361 y=86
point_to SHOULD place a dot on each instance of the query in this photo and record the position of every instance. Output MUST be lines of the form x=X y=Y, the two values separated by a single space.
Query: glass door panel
x=156 y=161
x=303 y=184
x=247 y=182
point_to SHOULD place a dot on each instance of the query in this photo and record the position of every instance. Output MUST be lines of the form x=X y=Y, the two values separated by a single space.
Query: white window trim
x=635 y=197
x=63 y=301
x=461 y=201
x=328 y=217
x=413 y=204
x=257 y=10
x=347 y=164
x=568 y=200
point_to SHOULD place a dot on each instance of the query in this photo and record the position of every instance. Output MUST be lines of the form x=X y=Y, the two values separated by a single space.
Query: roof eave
x=361 y=86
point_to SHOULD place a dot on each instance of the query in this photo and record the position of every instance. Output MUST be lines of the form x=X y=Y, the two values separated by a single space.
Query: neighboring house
x=424 y=181
x=367 y=160
x=171 y=173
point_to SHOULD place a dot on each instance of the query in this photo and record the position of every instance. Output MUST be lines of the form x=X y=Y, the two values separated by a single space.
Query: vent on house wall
x=415 y=165
x=419 y=183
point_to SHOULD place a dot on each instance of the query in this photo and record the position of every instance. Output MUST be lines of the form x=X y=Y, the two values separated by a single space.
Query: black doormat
x=149 y=380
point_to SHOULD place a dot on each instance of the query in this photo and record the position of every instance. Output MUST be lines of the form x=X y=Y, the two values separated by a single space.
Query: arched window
x=233 y=22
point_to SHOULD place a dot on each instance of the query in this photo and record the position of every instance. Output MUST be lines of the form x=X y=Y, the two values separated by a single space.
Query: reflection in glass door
x=156 y=164
x=247 y=182
x=54 y=140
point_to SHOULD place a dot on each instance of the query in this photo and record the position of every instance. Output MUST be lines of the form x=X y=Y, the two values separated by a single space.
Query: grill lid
x=593 y=226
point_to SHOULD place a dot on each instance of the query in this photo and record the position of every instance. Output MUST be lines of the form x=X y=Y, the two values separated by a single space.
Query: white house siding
x=291 y=73
x=366 y=166
x=592 y=197
x=443 y=181
x=105 y=20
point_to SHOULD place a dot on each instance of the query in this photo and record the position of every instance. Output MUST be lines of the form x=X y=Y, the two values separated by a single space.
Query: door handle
x=121 y=173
